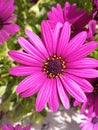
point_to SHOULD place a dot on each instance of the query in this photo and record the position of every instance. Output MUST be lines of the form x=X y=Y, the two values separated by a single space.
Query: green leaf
x=2 y=90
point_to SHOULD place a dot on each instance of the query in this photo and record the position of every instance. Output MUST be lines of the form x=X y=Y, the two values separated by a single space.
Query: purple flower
x=55 y=66
x=92 y=99
x=90 y=122
x=95 y=4
x=11 y=127
x=6 y=16
x=77 y=18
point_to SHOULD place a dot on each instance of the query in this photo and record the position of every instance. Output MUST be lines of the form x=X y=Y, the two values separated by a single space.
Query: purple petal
x=24 y=58
x=29 y=48
x=83 y=83
x=27 y=128
x=63 y=94
x=64 y=38
x=91 y=29
x=5 y=127
x=36 y=41
x=56 y=14
x=18 y=127
x=84 y=73
x=74 y=89
x=11 y=28
x=23 y=70
x=54 y=100
x=32 y=82
x=43 y=95
x=56 y=35
x=82 y=51
x=83 y=63
x=47 y=36
x=76 y=42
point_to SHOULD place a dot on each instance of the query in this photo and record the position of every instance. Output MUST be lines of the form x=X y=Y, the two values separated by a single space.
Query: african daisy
x=90 y=122
x=11 y=127
x=6 y=16
x=55 y=66
x=77 y=18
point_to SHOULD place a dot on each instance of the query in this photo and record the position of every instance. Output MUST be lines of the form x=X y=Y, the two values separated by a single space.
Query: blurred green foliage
x=30 y=16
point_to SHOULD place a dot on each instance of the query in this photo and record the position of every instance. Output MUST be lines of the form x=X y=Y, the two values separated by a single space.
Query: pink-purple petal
x=83 y=63
x=56 y=35
x=27 y=46
x=84 y=73
x=23 y=70
x=43 y=95
x=63 y=94
x=24 y=58
x=54 y=99
x=83 y=83
x=74 y=89
x=64 y=38
x=37 y=42
x=76 y=42
x=11 y=28
x=82 y=51
x=47 y=33
x=30 y=82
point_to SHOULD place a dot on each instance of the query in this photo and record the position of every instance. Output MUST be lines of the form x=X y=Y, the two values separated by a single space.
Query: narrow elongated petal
x=47 y=37
x=4 y=127
x=83 y=63
x=37 y=42
x=23 y=70
x=56 y=36
x=27 y=46
x=24 y=58
x=11 y=28
x=54 y=99
x=74 y=89
x=63 y=94
x=81 y=52
x=85 y=73
x=43 y=95
x=76 y=42
x=64 y=38
x=30 y=82
x=83 y=83
x=56 y=14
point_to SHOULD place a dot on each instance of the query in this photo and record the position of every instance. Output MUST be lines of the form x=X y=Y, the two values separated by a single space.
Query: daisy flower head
x=6 y=16
x=90 y=122
x=55 y=66
x=92 y=99
x=17 y=127
x=77 y=18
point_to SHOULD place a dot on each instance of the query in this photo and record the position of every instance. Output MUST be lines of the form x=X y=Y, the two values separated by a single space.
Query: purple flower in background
x=7 y=28
x=92 y=99
x=90 y=122
x=11 y=127
x=95 y=4
x=55 y=66
x=77 y=18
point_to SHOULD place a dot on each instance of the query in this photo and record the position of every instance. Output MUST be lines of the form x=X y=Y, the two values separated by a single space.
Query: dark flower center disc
x=54 y=66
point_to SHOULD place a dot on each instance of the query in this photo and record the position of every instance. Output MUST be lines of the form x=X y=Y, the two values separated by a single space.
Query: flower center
x=95 y=85
x=95 y=120
x=54 y=66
